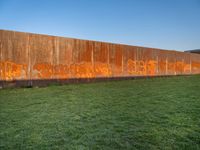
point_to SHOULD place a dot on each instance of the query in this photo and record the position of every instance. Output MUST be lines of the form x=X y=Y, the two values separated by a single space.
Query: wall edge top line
x=4 y=30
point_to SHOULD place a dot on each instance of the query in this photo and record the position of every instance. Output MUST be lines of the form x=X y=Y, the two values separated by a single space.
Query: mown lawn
x=159 y=113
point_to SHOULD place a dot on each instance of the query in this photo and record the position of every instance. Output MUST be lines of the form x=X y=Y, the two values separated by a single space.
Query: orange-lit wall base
x=27 y=57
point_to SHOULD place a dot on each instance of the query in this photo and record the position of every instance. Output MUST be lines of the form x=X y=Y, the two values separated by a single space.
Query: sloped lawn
x=159 y=113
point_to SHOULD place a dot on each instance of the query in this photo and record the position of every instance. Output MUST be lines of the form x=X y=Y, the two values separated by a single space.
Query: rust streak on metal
x=27 y=56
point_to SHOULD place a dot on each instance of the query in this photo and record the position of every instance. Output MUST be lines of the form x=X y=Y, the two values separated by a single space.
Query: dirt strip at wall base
x=52 y=82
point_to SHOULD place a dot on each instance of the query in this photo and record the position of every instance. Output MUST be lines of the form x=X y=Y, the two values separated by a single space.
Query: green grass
x=160 y=113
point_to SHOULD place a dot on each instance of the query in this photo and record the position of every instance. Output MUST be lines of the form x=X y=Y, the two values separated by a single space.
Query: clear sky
x=166 y=24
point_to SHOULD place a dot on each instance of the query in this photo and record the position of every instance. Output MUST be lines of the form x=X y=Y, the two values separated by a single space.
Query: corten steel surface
x=32 y=59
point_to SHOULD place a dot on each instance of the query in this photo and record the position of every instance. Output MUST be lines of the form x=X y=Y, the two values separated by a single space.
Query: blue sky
x=166 y=24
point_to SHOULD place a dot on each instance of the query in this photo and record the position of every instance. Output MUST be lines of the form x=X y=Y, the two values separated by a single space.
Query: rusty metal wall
x=29 y=57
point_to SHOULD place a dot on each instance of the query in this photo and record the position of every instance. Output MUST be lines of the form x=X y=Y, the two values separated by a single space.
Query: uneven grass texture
x=159 y=113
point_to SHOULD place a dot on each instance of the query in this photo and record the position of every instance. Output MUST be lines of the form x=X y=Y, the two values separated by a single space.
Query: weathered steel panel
x=162 y=62
x=14 y=56
x=130 y=60
x=41 y=56
x=42 y=59
x=195 y=63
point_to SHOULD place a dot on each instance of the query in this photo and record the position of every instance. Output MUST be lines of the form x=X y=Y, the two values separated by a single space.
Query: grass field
x=159 y=113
